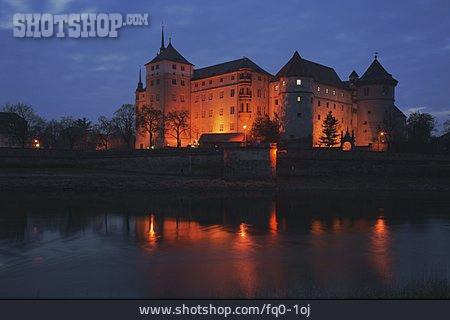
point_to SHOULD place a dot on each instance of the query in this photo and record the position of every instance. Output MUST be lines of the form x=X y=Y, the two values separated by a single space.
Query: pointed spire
x=140 y=86
x=163 y=46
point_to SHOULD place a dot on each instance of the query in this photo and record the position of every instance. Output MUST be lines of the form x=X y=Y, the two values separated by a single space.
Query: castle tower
x=375 y=94
x=168 y=83
x=292 y=100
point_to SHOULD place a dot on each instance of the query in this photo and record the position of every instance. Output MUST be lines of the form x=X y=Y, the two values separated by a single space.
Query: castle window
x=276 y=87
x=157 y=67
x=318 y=117
x=299 y=82
x=210 y=81
x=182 y=98
x=221 y=112
x=246 y=107
x=328 y=104
x=366 y=91
x=342 y=120
x=157 y=97
x=210 y=96
x=203 y=97
x=342 y=107
x=210 y=113
x=334 y=106
x=221 y=127
x=283 y=83
x=232 y=110
x=174 y=81
x=327 y=90
x=365 y=131
x=299 y=115
x=365 y=122
x=203 y=113
x=369 y=112
x=258 y=110
x=232 y=93
x=151 y=83
x=221 y=80
x=182 y=82
x=196 y=85
x=385 y=91
x=231 y=126
x=232 y=77
x=241 y=109
x=210 y=129
x=318 y=89
x=203 y=83
x=153 y=68
x=342 y=94
x=221 y=94
x=174 y=67
x=182 y=68
x=157 y=81
x=276 y=102
x=259 y=78
x=334 y=92
x=151 y=98
x=174 y=97
x=299 y=99
x=318 y=103
x=259 y=93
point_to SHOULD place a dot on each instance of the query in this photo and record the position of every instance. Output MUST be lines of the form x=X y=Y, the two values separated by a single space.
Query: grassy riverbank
x=76 y=179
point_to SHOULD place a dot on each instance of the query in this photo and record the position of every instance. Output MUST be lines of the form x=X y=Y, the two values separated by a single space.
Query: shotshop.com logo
x=74 y=25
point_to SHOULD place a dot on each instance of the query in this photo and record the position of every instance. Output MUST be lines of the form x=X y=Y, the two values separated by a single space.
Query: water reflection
x=213 y=247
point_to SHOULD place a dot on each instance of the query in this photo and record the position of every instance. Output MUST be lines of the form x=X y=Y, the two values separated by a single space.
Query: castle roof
x=170 y=54
x=376 y=74
x=227 y=67
x=297 y=66
x=353 y=75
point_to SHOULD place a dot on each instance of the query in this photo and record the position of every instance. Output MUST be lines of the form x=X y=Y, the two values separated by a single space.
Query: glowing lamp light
x=245 y=127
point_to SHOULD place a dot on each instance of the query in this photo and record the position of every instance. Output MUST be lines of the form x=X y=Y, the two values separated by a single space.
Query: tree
x=52 y=136
x=446 y=126
x=387 y=128
x=329 y=130
x=177 y=124
x=104 y=130
x=124 y=122
x=265 y=130
x=419 y=126
x=149 y=121
x=34 y=124
x=69 y=132
x=84 y=127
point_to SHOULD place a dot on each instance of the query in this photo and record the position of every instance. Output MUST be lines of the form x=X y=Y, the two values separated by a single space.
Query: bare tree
x=124 y=121
x=149 y=121
x=34 y=125
x=104 y=130
x=388 y=128
x=177 y=124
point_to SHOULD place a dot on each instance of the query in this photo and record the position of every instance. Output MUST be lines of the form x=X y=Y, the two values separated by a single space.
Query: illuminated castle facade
x=227 y=98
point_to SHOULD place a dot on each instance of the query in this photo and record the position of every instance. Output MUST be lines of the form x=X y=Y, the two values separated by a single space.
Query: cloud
x=59 y=6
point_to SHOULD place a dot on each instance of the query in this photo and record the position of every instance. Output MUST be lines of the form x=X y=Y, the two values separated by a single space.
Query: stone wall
x=250 y=163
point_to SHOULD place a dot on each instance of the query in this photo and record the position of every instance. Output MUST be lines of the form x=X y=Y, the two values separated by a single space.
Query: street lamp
x=245 y=135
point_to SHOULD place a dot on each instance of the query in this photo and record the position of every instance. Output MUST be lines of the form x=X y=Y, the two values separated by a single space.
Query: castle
x=227 y=98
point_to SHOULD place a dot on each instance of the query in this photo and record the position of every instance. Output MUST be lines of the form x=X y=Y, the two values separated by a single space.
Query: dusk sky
x=92 y=77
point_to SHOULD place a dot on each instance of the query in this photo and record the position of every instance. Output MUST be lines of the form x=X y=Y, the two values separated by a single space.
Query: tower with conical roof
x=375 y=94
x=293 y=95
x=168 y=88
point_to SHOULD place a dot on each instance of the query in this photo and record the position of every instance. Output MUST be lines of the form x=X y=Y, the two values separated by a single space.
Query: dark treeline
x=70 y=133
x=119 y=131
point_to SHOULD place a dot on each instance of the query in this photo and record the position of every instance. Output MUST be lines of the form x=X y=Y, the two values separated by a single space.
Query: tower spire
x=162 y=39
x=140 y=86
